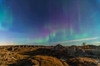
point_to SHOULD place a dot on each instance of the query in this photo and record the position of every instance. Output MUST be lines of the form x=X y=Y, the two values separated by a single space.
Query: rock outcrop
x=75 y=51
x=58 y=47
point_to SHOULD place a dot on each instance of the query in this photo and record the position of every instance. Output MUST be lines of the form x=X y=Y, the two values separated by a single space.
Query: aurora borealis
x=49 y=22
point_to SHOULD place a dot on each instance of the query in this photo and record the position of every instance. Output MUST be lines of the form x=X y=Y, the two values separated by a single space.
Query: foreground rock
x=82 y=61
x=40 y=61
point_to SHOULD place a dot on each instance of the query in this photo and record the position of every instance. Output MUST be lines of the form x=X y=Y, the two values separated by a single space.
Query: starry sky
x=49 y=22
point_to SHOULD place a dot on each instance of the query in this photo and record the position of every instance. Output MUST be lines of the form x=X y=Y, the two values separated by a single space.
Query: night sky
x=49 y=22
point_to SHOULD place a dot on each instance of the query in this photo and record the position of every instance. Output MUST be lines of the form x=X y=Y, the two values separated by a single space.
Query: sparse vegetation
x=82 y=61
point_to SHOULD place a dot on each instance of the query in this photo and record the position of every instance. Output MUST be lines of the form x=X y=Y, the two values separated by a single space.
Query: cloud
x=95 y=42
x=78 y=40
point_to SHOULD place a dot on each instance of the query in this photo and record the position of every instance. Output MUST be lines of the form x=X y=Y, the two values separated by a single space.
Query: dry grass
x=82 y=61
x=38 y=56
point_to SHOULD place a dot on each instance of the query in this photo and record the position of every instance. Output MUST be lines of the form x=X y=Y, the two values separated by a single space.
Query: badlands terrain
x=59 y=55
